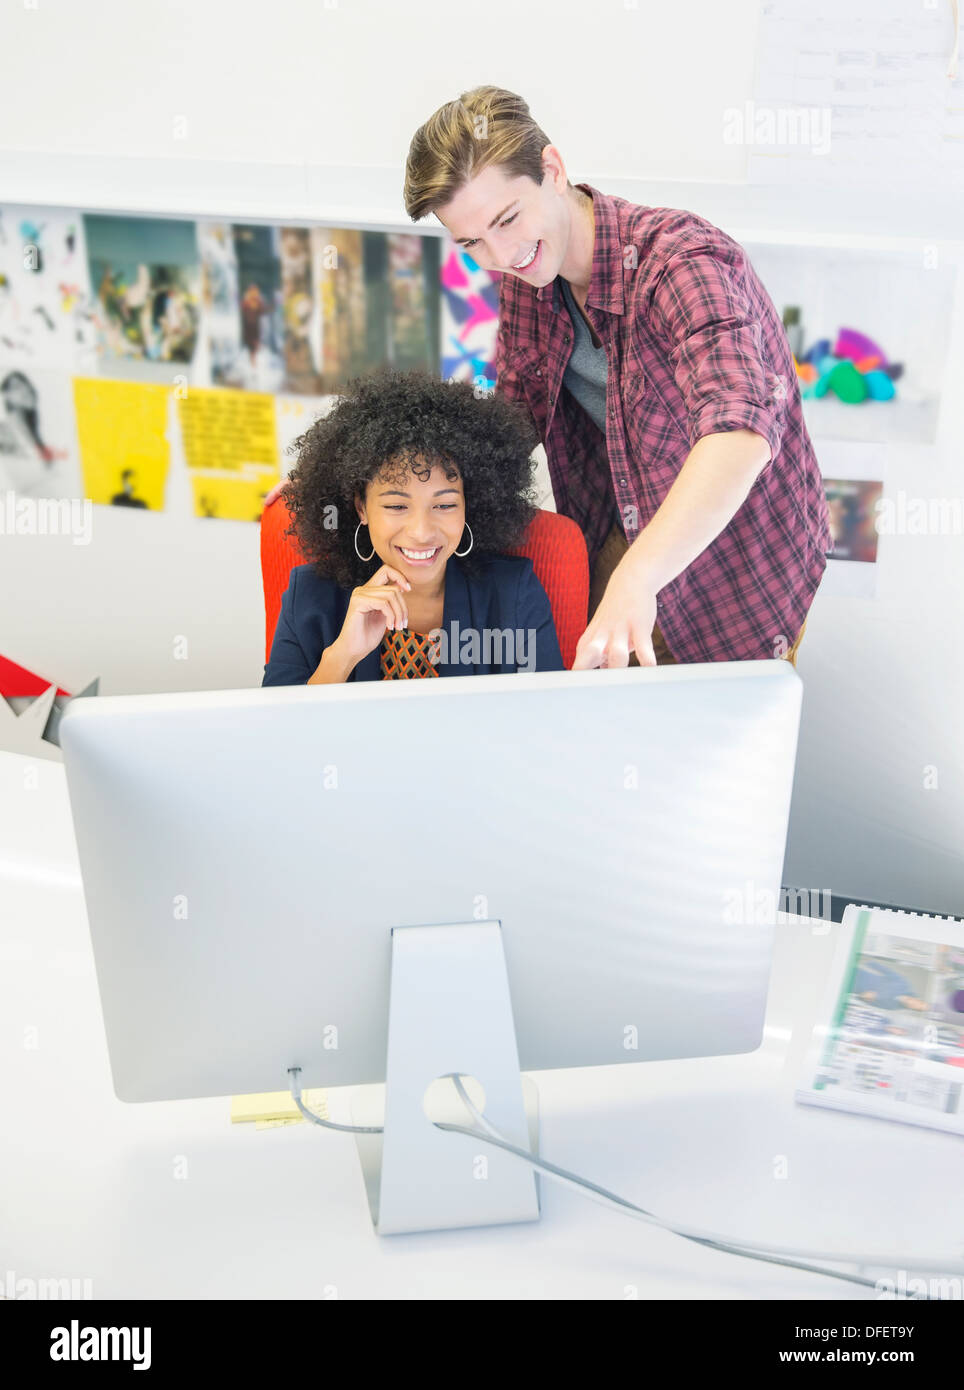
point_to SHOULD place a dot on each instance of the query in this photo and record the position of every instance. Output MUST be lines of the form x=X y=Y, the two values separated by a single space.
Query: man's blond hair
x=483 y=127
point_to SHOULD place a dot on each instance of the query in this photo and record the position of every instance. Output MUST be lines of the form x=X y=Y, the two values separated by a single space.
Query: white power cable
x=771 y=1254
x=295 y=1087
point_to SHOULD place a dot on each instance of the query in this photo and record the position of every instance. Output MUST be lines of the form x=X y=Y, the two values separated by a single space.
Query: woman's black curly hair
x=383 y=424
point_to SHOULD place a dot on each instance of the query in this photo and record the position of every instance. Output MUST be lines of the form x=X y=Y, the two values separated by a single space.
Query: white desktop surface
x=89 y=1186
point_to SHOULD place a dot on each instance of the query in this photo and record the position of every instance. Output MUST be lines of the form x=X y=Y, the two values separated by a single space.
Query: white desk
x=88 y=1186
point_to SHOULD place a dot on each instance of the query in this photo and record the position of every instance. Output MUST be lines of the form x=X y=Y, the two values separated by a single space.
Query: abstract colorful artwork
x=470 y=319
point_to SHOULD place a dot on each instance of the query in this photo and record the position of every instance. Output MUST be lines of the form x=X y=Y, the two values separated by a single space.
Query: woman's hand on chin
x=374 y=608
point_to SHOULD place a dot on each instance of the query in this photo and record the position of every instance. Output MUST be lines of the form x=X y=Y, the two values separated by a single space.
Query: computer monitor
x=574 y=861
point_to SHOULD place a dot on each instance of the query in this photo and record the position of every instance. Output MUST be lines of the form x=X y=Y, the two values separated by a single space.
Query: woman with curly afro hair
x=403 y=499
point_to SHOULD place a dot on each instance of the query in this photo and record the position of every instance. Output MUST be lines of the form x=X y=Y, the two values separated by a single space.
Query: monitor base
x=449 y=1012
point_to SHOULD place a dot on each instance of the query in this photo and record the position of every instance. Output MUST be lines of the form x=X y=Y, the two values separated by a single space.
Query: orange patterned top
x=407 y=655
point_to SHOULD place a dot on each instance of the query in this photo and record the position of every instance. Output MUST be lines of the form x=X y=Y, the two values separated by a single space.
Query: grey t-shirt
x=587 y=369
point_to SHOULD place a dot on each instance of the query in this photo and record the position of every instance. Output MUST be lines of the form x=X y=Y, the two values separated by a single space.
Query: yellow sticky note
x=277 y=1105
x=122 y=434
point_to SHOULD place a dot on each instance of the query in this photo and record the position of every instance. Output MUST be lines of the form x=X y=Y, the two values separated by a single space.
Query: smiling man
x=660 y=379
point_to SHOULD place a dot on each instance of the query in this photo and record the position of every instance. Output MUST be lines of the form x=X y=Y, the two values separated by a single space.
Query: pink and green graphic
x=470 y=318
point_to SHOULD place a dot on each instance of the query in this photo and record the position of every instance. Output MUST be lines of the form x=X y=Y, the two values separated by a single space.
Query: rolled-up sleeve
x=715 y=345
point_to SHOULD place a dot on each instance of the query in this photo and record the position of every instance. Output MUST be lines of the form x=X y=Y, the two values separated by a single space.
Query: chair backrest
x=554 y=544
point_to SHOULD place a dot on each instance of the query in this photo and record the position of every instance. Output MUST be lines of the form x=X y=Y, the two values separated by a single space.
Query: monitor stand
x=449 y=1012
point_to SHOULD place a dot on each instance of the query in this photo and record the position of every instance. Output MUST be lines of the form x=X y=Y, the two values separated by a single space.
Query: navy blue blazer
x=506 y=595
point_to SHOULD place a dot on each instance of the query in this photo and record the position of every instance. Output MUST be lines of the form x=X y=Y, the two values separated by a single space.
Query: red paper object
x=17 y=680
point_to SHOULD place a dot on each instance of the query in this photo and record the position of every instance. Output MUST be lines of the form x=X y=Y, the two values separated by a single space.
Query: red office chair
x=553 y=543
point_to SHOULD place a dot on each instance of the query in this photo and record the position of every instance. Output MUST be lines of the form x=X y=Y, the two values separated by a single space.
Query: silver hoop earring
x=357 y=551
x=461 y=553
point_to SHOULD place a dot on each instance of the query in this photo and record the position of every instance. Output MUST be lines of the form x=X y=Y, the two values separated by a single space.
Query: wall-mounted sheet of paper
x=122 y=430
x=38 y=440
x=231 y=449
x=854 y=477
x=46 y=313
x=262 y=307
x=846 y=93
x=146 y=283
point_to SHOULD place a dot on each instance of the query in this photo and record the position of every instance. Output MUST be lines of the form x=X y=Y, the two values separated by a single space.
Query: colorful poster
x=145 y=277
x=470 y=318
x=38 y=451
x=122 y=434
x=231 y=448
x=243 y=290
x=301 y=314
x=338 y=259
x=414 y=304
x=379 y=299
x=243 y=276
x=853 y=517
x=264 y=315
x=46 y=314
x=220 y=292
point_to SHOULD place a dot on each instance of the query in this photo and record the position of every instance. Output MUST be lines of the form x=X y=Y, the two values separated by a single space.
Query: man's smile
x=528 y=261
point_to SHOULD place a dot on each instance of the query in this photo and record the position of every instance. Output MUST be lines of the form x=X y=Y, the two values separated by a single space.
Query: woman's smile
x=422 y=559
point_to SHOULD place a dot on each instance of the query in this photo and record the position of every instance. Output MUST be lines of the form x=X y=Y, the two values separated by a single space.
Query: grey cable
x=770 y=1254
x=712 y=1239
x=627 y=1208
x=295 y=1088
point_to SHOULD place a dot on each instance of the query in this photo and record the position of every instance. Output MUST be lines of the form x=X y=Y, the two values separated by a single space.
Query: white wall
x=302 y=110
x=626 y=91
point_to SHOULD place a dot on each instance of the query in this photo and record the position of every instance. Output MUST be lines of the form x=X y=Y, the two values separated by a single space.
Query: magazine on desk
x=890 y=1038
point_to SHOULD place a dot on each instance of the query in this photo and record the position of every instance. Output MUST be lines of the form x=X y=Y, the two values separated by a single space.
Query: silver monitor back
x=246 y=853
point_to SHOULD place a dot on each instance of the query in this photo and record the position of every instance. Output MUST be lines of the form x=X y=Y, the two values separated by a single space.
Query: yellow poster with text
x=231 y=449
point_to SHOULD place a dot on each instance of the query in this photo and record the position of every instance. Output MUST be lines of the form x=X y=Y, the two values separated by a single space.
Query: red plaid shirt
x=695 y=346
